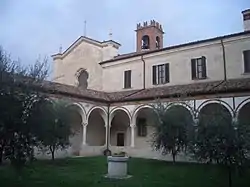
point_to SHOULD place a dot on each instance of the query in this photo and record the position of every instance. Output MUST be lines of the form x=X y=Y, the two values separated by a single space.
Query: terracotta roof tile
x=229 y=86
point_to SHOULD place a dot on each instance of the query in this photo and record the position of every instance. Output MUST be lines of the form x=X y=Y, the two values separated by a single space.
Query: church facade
x=112 y=94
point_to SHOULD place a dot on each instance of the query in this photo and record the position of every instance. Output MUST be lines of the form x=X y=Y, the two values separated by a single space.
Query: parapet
x=151 y=23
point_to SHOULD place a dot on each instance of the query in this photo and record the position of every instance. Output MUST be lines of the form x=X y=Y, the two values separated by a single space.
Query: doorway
x=120 y=139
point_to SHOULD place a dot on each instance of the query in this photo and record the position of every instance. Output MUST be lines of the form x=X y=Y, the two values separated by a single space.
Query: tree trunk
x=173 y=155
x=229 y=176
x=1 y=156
x=52 y=150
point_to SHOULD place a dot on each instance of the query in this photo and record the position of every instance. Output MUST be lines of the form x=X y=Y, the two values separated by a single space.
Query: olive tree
x=171 y=129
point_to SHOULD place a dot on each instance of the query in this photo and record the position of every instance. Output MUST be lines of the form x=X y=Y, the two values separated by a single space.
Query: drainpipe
x=224 y=60
x=108 y=133
x=144 y=66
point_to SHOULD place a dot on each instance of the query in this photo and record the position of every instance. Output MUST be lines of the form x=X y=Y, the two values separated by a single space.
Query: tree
x=55 y=127
x=220 y=140
x=20 y=88
x=171 y=129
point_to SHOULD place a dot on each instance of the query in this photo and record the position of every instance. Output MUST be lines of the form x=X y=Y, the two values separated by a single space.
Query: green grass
x=83 y=172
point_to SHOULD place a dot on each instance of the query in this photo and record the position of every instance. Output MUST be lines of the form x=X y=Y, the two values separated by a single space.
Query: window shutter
x=125 y=79
x=204 y=69
x=193 y=68
x=166 y=73
x=246 y=55
x=154 y=75
x=129 y=79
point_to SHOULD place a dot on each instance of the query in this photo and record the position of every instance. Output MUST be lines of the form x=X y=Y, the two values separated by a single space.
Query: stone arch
x=215 y=101
x=120 y=131
x=214 y=113
x=78 y=119
x=80 y=109
x=112 y=112
x=243 y=112
x=184 y=105
x=242 y=104
x=135 y=113
x=101 y=109
x=143 y=121
x=96 y=129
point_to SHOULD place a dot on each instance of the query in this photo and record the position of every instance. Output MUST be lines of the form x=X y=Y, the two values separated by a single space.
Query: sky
x=32 y=29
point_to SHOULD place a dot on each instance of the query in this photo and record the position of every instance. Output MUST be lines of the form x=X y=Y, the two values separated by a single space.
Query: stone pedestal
x=117 y=167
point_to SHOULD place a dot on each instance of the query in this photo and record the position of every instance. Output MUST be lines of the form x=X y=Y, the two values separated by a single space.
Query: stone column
x=84 y=133
x=107 y=127
x=132 y=126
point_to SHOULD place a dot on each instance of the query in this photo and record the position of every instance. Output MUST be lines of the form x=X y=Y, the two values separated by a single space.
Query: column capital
x=196 y=121
x=84 y=124
x=132 y=125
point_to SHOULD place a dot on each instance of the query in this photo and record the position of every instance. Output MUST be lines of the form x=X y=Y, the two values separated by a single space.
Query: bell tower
x=149 y=36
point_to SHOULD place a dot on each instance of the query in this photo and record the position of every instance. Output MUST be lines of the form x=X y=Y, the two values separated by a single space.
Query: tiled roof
x=229 y=86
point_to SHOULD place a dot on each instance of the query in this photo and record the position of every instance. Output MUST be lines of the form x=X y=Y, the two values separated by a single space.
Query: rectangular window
x=246 y=55
x=198 y=68
x=127 y=79
x=141 y=127
x=160 y=74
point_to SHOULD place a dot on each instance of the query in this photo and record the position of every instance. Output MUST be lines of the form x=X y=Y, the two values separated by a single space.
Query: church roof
x=85 y=39
x=196 y=89
x=135 y=54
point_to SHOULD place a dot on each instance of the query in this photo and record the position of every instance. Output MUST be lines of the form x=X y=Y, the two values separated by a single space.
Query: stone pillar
x=84 y=133
x=132 y=126
x=107 y=127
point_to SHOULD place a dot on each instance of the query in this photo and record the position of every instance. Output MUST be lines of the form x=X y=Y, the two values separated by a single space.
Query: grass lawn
x=83 y=172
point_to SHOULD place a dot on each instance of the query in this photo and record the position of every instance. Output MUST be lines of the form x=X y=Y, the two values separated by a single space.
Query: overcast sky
x=30 y=28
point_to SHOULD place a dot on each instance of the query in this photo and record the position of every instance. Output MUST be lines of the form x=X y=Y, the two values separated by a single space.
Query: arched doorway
x=96 y=132
x=120 y=129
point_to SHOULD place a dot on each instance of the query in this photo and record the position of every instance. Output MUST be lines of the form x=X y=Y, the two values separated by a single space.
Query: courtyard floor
x=88 y=172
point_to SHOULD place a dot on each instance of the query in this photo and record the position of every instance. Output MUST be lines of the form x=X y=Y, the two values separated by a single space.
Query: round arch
x=80 y=109
x=214 y=113
x=184 y=105
x=136 y=111
x=120 y=131
x=103 y=111
x=243 y=117
x=217 y=101
x=114 y=110
x=240 y=106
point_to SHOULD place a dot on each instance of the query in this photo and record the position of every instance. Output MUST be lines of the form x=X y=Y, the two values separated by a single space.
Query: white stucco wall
x=85 y=55
x=179 y=60
x=234 y=57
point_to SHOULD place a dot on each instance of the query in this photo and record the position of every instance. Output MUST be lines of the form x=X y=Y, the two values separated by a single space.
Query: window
x=83 y=79
x=127 y=79
x=161 y=74
x=246 y=55
x=198 y=68
x=145 y=42
x=157 y=42
x=141 y=127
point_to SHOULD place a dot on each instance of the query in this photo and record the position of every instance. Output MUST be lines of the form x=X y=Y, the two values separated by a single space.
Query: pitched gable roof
x=84 y=39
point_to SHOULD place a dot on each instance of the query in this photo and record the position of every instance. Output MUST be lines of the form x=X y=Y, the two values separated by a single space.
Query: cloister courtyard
x=131 y=130
x=89 y=172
